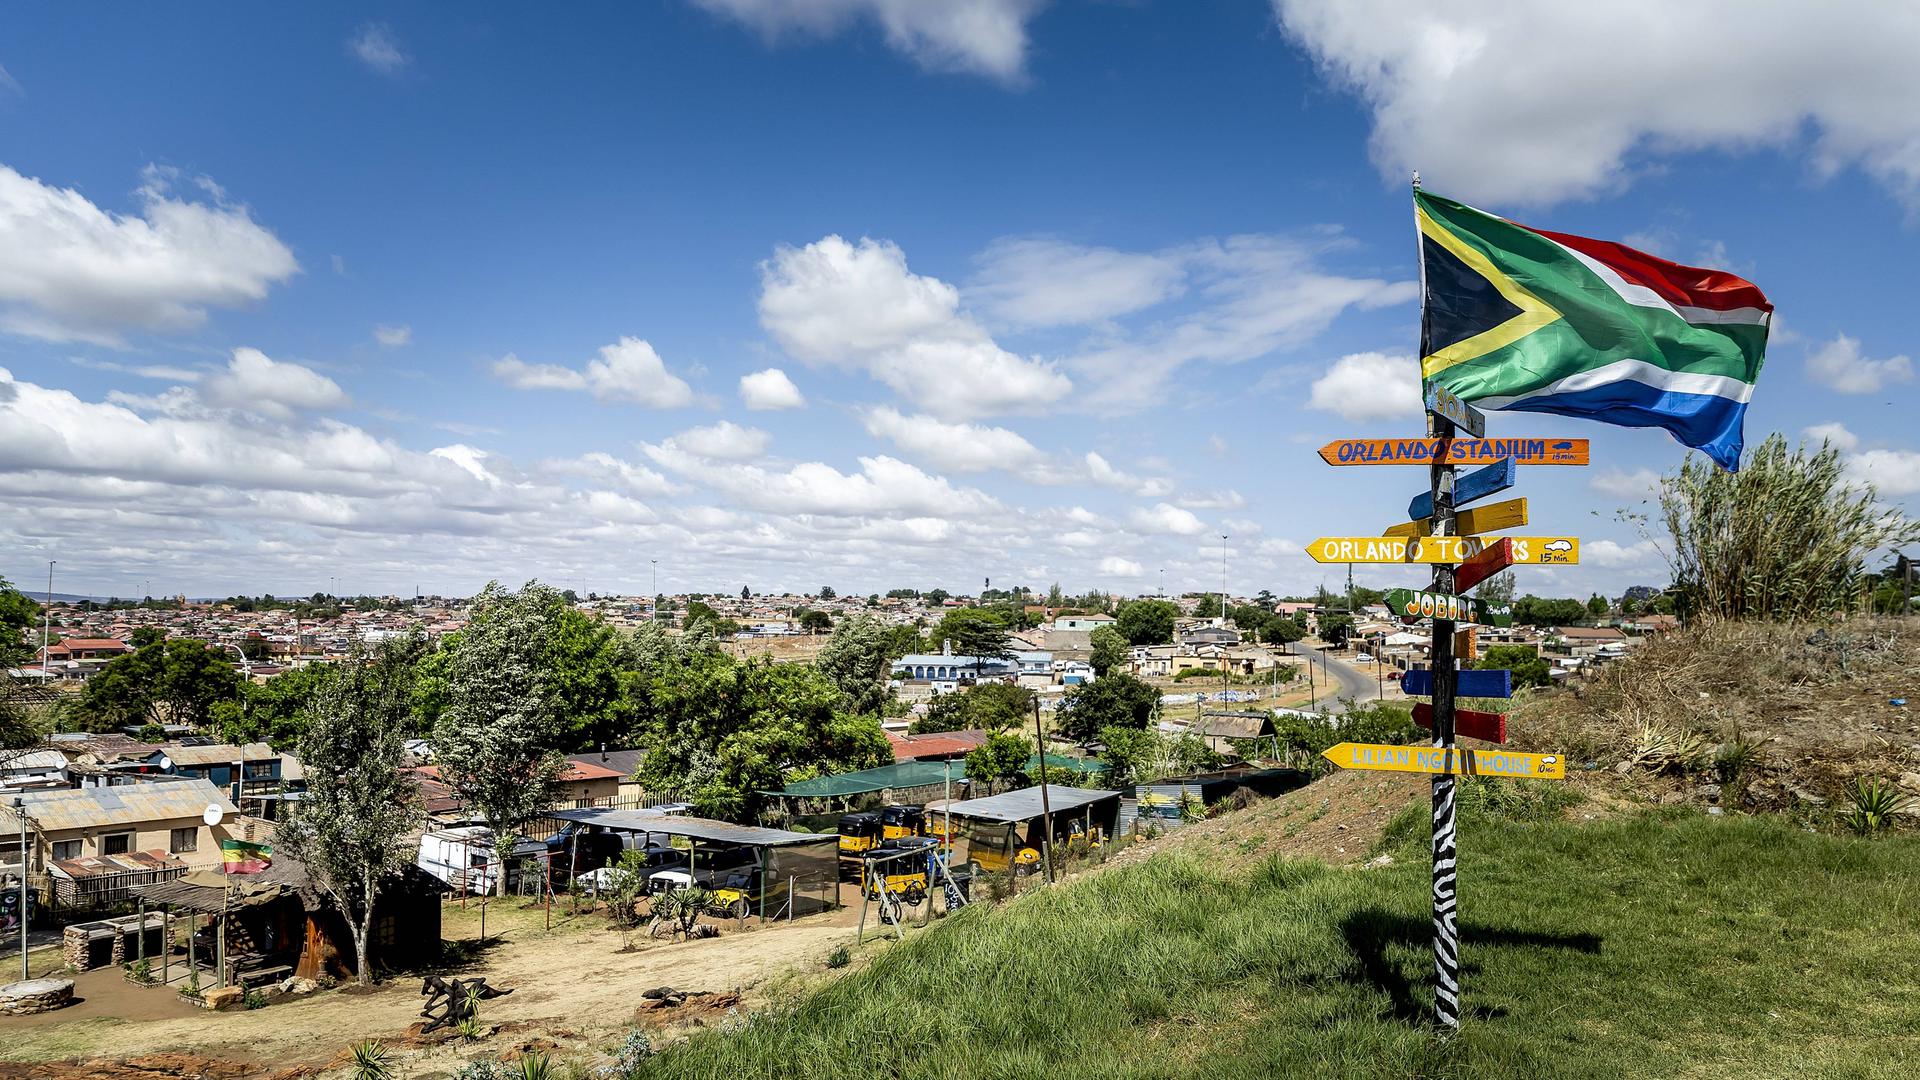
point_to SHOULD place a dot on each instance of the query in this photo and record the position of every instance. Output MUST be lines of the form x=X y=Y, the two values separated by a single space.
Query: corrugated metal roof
x=36 y=761
x=123 y=804
x=719 y=832
x=219 y=753
x=92 y=865
x=1024 y=805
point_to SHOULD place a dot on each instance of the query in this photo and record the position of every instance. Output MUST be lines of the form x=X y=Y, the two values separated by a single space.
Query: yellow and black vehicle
x=899 y=822
x=859 y=834
x=898 y=869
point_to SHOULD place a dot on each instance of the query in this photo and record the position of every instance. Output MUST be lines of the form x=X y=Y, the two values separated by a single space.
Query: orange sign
x=1459 y=451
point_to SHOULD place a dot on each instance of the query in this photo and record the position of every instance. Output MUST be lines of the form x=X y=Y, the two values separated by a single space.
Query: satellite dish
x=212 y=814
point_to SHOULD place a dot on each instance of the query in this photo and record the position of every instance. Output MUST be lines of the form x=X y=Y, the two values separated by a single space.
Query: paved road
x=1354 y=681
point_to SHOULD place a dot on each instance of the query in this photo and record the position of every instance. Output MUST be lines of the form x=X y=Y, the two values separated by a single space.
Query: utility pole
x=20 y=811
x=46 y=622
x=653 y=597
x=1225 y=660
x=1046 y=803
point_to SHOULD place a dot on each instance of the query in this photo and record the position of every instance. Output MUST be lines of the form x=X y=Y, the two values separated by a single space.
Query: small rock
x=1715 y=811
x=223 y=997
x=1379 y=861
x=1910 y=781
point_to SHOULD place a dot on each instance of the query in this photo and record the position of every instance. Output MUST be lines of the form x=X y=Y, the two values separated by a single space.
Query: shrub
x=370 y=1061
x=254 y=999
x=1876 y=806
x=840 y=957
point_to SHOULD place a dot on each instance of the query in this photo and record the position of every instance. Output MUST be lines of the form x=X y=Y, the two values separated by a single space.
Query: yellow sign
x=1459 y=761
x=1533 y=550
x=1481 y=519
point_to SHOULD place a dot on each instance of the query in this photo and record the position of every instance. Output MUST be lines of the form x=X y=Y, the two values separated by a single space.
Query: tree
x=1209 y=607
x=721 y=731
x=816 y=622
x=360 y=808
x=856 y=658
x=1785 y=538
x=253 y=648
x=1498 y=589
x=988 y=705
x=1336 y=629
x=1597 y=606
x=1116 y=701
x=975 y=632
x=588 y=684
x=1109 y=650
x=18 y=615
x=826 y=592
x=177 y=681
x=1146 y=622
x=1003 y=756
x=1523 y=660
x=495 y=735
x=144 y=636
x=276 y=711
x=936 y=597
x=1531 y=610
x=699 y=611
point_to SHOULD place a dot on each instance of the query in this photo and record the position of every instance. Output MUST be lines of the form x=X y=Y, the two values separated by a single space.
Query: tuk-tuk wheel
x=739 y=909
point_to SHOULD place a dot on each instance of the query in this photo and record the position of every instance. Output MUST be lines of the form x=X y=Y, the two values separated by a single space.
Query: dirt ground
x=572 y=987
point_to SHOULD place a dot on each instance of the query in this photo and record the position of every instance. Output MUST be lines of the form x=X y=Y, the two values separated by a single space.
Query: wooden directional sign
x=1492 y=517
x=1412 y=606
x=1459 y=451
x=1467 y=723
x=1492 y=559
x=1459 y=761
x=1472 y=487
x=1474 y=682
x=1442 y=403
x=1538 y=550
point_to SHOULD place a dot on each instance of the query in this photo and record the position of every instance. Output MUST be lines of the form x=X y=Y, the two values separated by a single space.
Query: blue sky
x=411 y=296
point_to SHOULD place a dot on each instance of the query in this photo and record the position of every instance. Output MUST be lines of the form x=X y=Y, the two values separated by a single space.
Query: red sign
x=1490 y=560
x=1468 y=724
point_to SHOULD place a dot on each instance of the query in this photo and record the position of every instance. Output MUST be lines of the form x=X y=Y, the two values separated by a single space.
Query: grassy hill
x=1657 y=945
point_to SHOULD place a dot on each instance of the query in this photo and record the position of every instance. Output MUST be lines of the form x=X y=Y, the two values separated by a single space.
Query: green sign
x=1411 y=604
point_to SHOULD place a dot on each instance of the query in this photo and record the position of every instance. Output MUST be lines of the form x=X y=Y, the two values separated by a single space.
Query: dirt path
x=577 y=983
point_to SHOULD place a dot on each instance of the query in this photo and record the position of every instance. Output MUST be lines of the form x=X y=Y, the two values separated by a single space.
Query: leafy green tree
x=175 y=681
x=18 y=616
x=827 y=593
x=494 y=739
x=588 y=684
x=936 y=597
x=144 y=636
x=699 y=611
x=1109 y=650
x=1209 y=606
x=1498 y=589
x=816 y=622
x=1597 y=606
x=1146 y=622
x=975 y=632
x=275 y=711
x=988 y=705
x=1523 y=660
x=1001 y=758
x=722 y=731
x=360 y=808
x=1531 y=610
x=1336 y=629
x=1117 y=700
x=857 y=660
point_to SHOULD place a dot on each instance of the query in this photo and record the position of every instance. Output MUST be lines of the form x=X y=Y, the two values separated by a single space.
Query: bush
x=840 y=957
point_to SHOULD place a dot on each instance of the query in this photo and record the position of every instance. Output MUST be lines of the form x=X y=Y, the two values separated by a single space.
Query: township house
x=94 y=840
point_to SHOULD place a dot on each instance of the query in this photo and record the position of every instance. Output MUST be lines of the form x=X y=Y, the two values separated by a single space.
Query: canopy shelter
x=266 y=926
x=907 y=774
x=994 y=828
x=793 y=872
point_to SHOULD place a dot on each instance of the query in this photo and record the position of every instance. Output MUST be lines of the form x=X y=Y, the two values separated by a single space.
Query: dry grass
x=1787 y=715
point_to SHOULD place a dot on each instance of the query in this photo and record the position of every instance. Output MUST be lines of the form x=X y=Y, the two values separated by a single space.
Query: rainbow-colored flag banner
x=244 y=856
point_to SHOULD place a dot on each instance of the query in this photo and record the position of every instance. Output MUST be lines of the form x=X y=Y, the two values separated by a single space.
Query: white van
x=463 y=858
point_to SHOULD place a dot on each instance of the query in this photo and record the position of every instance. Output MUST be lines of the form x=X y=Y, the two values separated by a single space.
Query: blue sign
x=1477 y=484
x=1473 y=683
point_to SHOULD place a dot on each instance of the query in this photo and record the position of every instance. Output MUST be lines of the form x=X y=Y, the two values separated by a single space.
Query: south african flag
x=244 y=856
x=1524 y=319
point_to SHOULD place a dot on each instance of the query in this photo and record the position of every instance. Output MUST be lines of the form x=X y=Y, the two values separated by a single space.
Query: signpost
x=1492 y=559
x=1472 y=487
x=1473 y=682
x=1413 y=606
x=1446 y=761
x=1458 y=451
x=1489 y=518
x=1543 y=550
x=1442 y=403
x=1471 y=723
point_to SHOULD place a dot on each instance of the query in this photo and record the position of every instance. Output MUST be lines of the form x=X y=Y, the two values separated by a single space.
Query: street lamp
x=46 y=617
x=653 y=598
x=20 y=811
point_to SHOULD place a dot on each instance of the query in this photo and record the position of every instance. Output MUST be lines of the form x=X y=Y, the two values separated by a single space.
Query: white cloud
x=376 y=47
x=1251 y=295
x=1839 y=366
x=982 y=37
x=1035 y=281
x=1167 y=520
x=627 y=370
x=724 y=441
x=602 y=466
x=883 y=486
x=11 y=84
x=1612 y=555
x=1638 y=484
x=255 y=382
x=858 y=306
x=393 y=336
x=1369 y=386
x=1502 y=102
x=980 y=448
x=1893 y=473
x=764 y=391
x=1115 y=566
x=144 y=371
x=71 y=271
x=1835 y=433
x=1227 y=499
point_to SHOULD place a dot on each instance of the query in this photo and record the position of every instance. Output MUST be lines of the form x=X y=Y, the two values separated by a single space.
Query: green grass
x=1658 y=946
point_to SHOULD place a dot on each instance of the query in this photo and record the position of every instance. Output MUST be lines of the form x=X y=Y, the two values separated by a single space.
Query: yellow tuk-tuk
x=859 y=833
x=900 y=822
x=903 y=877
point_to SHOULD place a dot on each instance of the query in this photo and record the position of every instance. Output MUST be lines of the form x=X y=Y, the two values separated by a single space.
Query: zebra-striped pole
x=1446 y=927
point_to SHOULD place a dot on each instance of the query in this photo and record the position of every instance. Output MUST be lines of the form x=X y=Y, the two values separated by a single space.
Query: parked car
x=1363 y=658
